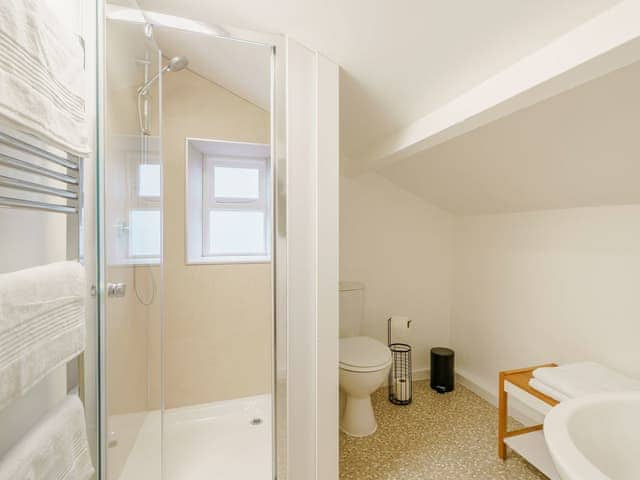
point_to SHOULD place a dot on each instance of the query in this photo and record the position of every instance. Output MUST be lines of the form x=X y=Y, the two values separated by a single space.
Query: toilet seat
x=363 y=354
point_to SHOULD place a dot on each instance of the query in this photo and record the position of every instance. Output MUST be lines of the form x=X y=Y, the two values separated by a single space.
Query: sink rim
x=569 y=460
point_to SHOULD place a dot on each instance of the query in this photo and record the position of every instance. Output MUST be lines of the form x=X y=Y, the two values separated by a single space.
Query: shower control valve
x=117 y=290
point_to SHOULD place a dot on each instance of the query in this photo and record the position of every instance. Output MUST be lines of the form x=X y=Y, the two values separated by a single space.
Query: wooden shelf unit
x=529 y=437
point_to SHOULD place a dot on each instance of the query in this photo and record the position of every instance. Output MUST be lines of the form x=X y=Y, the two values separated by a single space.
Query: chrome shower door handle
x=117 y=290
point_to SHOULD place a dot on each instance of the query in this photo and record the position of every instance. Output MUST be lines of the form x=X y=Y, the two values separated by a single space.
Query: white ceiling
x=580 y=148
x=400 y=60
x=403 y=60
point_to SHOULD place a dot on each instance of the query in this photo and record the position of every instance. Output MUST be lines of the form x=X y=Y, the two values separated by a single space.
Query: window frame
x=212 y=203
x=150 y=258
x=227 y=153
x=139 y=202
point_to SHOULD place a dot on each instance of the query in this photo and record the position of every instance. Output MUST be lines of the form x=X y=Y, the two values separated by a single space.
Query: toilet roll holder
x=400 y=376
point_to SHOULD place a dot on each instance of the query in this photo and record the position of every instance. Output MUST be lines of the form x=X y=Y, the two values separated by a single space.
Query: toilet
x=364 y=364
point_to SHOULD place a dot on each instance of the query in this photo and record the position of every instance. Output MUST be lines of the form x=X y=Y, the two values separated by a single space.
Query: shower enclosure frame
x=278 y=139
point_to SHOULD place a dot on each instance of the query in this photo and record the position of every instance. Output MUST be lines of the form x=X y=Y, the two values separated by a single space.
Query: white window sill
x=228 y=260
x=135 y=262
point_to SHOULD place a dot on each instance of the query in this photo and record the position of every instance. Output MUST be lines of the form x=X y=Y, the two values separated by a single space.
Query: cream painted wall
x=557 y=285
x=218 y=318
x=401 y=248
x=503 y=290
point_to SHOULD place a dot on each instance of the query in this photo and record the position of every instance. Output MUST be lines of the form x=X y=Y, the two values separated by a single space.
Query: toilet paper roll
x=400 y=328
x=402 y=389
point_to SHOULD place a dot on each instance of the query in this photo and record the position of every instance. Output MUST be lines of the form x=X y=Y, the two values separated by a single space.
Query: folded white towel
x=42 y=324
x=583 y=378
x=56 y=448
x=547 y=390
x=42 y=81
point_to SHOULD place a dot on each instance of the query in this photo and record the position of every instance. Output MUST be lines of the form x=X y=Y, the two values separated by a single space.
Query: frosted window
x=144 y=233
x=149 y=180
x=236 y=232
x=232 y=182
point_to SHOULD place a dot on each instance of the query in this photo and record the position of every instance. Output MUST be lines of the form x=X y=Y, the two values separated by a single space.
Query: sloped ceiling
x=241 y=68
x=400 y=60
x=580 y=148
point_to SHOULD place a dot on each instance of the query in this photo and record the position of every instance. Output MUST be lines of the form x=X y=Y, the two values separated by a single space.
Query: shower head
x=177 y=63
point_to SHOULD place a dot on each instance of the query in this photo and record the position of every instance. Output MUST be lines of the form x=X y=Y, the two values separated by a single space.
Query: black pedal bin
x=442 y=369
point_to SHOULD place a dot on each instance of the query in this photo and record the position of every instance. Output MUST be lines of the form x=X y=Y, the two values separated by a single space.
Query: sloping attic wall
x=504 y=290
x=577 y=149
x=524 y=287
x=400 y=247
x=399 y=64
x=556 y=285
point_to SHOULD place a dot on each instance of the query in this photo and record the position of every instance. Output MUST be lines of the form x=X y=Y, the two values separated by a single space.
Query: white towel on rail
x=56 y=448
x=547 y=390
x=583 y=378
x=42 y=324
x=42 y=81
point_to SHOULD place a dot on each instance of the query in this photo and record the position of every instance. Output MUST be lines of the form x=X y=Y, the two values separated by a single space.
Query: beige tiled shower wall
x=218 y=326
x=126 y=330
x=127 y=320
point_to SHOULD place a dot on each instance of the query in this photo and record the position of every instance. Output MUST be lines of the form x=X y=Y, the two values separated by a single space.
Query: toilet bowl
x=364 y=366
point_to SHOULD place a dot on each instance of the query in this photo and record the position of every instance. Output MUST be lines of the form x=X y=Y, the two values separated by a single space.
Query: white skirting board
x=421 y=374
x=518 y=410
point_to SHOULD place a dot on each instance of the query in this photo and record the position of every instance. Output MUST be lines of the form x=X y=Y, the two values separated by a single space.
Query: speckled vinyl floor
x=437 y=437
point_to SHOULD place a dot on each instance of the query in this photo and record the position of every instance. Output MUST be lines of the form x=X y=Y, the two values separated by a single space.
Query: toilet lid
x=363 y=352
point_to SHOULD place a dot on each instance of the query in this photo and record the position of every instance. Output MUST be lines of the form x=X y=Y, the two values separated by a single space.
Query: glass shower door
x=188 y=313
x=218 y=257
x=131 y=320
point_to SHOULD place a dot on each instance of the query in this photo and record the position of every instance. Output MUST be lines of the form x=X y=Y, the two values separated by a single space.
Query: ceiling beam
x=607 y=42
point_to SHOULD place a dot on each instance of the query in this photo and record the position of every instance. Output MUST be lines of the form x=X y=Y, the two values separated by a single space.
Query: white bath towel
x=55 y=449
x=547 y=390
x=583 y=378
x=42 y=324
x=42 y=81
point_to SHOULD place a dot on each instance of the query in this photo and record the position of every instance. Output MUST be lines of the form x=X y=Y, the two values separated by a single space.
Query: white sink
x=596 y=437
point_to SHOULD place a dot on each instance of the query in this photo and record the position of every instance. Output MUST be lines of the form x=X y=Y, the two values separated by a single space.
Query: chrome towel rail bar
x=37 y=151
x=35 y=190
x=31 y=168
x=36 y=187
x=35 y=205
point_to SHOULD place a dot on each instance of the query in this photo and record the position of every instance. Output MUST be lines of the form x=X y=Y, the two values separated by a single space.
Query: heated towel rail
x=36 y=177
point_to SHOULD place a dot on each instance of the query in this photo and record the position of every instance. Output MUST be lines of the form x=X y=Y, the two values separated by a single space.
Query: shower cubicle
x=217 y=197
x=187 y=252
